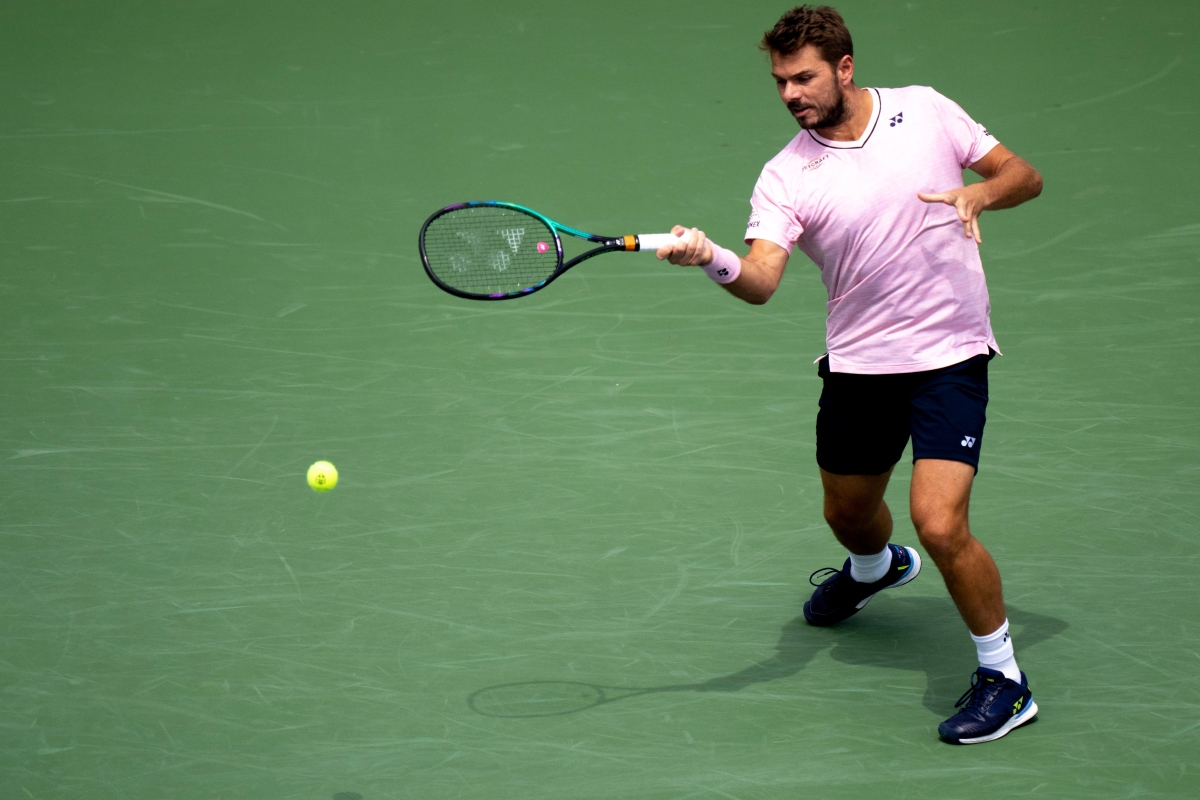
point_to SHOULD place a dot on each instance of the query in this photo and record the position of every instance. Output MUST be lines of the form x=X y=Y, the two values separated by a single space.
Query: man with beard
x=872 y=191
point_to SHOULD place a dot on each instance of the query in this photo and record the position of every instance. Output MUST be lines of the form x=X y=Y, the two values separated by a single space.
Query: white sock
x=868 y=569
x=996 y=652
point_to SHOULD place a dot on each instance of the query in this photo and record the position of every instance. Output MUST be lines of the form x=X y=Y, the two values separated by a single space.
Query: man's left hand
x=969 y=202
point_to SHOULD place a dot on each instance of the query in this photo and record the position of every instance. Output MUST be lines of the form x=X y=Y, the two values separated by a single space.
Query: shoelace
x=835 y=591
x=825 y=573
x=980 y=696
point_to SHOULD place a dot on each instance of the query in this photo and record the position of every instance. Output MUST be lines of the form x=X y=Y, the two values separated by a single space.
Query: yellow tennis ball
x=322 y=476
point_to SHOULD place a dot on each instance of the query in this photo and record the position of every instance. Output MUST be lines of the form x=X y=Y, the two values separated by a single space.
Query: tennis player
x=871 y=190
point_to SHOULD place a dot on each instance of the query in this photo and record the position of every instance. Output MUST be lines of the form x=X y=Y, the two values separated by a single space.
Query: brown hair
x=821 y=27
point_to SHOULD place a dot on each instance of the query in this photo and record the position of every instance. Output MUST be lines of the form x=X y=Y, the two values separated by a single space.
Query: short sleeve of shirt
x=971 y=140
x=771 y=214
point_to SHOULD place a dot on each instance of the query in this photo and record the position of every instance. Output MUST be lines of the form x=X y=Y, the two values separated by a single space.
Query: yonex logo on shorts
x=968 y=441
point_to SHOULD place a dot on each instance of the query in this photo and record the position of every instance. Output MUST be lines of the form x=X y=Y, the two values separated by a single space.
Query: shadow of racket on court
x=922 y=634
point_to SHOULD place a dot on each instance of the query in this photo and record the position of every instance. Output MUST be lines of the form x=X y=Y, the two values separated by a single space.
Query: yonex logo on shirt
x=753 y=223
x=897 y=120
x=968 y=441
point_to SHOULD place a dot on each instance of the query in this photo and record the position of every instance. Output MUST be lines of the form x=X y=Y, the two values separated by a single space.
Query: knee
x=942 y=535
x=848 y=518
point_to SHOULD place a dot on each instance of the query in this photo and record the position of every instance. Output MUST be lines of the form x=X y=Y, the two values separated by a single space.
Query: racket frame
x=608 y=244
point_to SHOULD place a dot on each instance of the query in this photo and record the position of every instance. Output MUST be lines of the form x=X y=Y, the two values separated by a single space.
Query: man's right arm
x=762 y=268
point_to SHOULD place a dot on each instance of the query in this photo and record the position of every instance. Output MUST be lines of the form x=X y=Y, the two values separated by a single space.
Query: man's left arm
x=1008 y=180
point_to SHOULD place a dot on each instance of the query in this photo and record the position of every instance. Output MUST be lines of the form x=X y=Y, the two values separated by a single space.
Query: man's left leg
x=999 y=699
x=939 y=497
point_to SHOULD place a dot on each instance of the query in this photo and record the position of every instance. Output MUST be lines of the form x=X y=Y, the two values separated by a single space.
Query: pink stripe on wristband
x=725 y=266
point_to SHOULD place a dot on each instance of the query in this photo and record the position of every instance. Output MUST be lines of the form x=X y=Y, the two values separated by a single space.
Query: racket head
x=490 y=250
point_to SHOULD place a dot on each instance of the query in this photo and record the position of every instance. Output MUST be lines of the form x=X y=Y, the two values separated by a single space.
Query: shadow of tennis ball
x=347 y=796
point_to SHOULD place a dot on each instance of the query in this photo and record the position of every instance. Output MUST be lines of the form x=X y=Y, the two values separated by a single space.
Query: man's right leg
x=862 y=429
x=855 y=510
x=861 y=521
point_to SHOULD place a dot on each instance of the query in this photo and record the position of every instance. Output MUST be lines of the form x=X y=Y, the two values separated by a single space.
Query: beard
x=828 y=115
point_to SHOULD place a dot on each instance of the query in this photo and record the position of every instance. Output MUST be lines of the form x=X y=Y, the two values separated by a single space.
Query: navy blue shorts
x=865 y=420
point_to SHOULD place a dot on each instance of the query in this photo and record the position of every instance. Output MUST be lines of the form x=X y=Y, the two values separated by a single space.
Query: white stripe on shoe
x=1027 y=714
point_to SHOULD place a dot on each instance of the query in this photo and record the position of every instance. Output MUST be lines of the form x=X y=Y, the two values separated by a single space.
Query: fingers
x=968 y=212
x=966 y=215
x=693 y=251
x=665 y=252
x=966 y=207
x=937 y=197
x=693 y=248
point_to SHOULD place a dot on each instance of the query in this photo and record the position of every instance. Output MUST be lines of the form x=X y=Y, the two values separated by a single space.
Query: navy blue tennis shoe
x=840 y=597
x=992 y=707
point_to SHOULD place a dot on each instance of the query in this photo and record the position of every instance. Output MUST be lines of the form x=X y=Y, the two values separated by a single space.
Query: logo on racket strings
x=513 y=236
x=542 y=247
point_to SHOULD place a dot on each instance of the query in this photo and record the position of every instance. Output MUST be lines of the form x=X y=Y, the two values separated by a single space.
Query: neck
x=860 y=104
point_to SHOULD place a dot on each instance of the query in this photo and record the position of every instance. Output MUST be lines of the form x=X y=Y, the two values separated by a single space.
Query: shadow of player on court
x=920 y=634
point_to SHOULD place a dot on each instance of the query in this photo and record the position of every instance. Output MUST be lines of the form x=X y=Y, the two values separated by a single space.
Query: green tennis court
x=573 y=532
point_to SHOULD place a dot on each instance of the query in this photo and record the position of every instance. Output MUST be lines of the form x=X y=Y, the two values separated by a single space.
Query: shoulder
x=792 y=152
x=940 y=107
x=788 y=160
x=911 y=94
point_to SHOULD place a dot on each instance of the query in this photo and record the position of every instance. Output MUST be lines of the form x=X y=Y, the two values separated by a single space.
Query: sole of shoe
x=1027 y=715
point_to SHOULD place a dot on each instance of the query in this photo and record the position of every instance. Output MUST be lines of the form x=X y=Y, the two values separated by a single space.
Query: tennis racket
x=488 y=250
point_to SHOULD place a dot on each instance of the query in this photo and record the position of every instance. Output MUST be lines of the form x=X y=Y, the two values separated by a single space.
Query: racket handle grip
x=653 y=241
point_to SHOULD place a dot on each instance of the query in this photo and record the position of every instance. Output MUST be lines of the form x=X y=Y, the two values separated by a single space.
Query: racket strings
x=490 y=250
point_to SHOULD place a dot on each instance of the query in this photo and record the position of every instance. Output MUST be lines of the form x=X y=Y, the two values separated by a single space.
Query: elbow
x=759 y=299
x=1035 y=185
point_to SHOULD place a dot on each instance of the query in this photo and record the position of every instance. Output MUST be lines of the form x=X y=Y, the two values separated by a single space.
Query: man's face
x=809 y=86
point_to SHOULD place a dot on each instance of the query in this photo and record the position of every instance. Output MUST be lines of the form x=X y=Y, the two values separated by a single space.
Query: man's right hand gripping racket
x=490 y=250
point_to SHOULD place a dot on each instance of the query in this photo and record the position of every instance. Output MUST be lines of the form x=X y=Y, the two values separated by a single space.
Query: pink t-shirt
x=906 y=287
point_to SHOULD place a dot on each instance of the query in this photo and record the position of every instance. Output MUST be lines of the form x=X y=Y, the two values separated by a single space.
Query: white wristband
x=725 y=266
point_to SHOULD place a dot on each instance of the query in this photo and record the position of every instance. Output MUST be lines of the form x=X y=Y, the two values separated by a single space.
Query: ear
x=845 y=70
